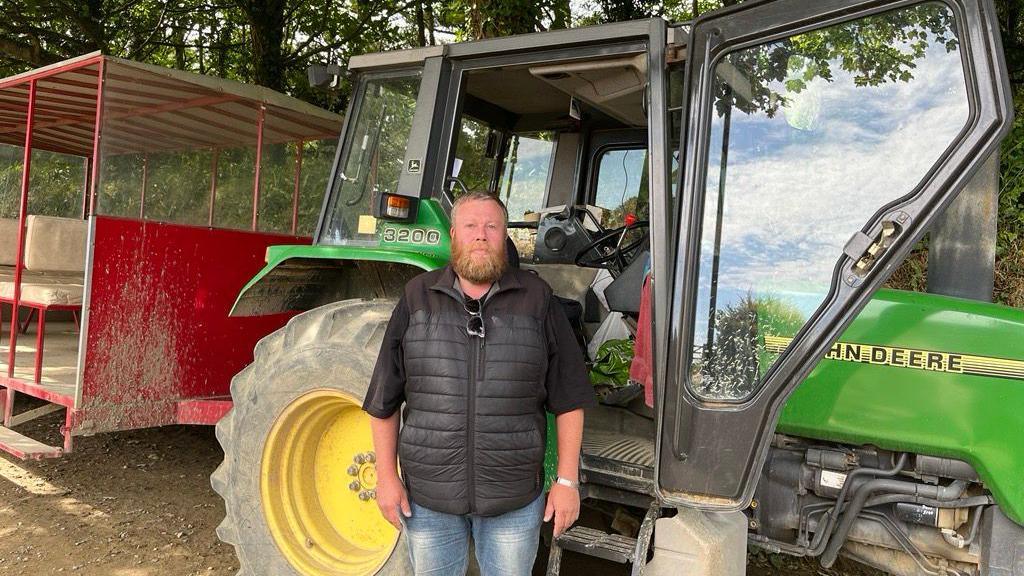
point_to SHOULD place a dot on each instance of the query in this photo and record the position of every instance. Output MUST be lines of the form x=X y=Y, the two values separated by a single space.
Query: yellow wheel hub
x=318 y=488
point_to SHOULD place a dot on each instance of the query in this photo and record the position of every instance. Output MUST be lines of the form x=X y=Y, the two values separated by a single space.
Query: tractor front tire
x=298 y=477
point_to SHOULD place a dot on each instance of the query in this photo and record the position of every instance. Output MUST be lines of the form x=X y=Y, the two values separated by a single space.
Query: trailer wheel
x=298 y=475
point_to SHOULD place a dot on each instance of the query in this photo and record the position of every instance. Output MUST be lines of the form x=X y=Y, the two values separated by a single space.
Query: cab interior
x=564 y=146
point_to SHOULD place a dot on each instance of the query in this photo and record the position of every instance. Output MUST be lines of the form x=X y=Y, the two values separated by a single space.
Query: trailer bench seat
x=8 y=242
x=53 y=273
x=7 y=275
x=54 y=261
x=48 y=295
x=54 y=247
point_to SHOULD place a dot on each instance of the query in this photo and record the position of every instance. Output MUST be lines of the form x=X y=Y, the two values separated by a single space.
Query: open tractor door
x=822 y=140
x=729 y=195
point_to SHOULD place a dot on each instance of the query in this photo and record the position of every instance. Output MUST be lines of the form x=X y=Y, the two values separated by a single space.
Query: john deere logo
x=414 y=166
x=913 y=358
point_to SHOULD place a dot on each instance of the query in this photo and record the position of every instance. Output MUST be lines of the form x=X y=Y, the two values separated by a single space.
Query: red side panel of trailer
x=160 y=347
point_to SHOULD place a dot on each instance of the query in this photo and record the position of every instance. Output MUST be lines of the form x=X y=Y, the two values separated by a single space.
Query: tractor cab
x=717 y=204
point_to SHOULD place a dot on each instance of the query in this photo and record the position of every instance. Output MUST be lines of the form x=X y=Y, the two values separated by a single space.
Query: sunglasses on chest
x=475 y=324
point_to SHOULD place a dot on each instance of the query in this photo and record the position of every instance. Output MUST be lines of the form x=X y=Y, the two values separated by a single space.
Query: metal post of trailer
x=94 y=184
x=85 y=187
x=213 y=184
x=260 y=117
x=295 y=192
x=26 y=170
x=145 y=181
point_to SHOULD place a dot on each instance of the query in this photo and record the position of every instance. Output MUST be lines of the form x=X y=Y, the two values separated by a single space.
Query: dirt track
x=140 y=504
x=128 y=504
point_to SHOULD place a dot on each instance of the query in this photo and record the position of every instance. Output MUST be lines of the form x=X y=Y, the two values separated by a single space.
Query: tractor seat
x=573 y=309
x=511 y=253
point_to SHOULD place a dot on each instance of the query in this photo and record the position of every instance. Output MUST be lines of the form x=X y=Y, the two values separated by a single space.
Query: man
x=477 y=351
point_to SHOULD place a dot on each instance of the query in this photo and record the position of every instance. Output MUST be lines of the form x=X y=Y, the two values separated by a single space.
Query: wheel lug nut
x=364 y=495
x=371 y=457
x=360 y=458
x=353 y=470
x=373 y=494
x=354 y=486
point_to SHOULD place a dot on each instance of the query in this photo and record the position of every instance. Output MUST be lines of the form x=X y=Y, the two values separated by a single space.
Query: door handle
x=866 y=251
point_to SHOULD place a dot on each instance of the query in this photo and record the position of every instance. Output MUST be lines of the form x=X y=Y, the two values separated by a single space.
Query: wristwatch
x=566 y=482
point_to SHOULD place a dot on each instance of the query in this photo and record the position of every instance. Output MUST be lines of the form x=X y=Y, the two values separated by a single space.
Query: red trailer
x=135 y=202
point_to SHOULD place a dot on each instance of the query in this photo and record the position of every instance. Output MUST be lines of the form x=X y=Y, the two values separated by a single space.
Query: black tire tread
x=346 y=334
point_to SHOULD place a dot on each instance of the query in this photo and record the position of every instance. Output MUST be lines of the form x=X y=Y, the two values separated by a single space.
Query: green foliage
x=1011 y=182
x=57 y=183
x=611 y=367
x=476 y=19
x=270 y=42
x=1009 y=285
x=775 y=316
x=875 y=50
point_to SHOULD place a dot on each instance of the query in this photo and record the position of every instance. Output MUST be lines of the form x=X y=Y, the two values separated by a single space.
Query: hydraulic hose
x=968 y=502
x=953 y=538
x=821 y=537
x=940 y=493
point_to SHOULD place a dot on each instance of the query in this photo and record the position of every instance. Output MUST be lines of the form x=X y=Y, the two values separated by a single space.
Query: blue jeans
x=505 y=545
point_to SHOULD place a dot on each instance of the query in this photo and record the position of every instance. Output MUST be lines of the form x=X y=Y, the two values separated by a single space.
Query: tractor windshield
x=372 y=155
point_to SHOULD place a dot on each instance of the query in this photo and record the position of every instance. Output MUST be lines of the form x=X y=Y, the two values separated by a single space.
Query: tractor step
x=25 y=448
x=591 y=542
x=611 y=547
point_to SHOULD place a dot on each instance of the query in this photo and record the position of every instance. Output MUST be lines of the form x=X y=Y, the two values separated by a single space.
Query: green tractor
x=729 y=194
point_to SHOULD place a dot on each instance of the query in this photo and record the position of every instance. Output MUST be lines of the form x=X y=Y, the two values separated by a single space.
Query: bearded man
x=477 y=351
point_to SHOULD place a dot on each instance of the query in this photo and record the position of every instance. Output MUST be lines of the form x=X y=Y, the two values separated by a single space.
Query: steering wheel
x=607 y=250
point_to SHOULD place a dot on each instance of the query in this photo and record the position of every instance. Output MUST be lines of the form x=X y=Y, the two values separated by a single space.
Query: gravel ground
x=139 y=503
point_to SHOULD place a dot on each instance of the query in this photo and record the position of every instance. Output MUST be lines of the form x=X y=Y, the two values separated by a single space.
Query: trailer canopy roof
x=148 y=108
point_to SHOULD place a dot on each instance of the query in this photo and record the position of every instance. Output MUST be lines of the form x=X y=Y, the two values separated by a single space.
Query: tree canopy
x=272 y=42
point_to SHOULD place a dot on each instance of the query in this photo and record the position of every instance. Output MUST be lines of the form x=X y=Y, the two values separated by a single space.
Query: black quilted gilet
x=474 y=428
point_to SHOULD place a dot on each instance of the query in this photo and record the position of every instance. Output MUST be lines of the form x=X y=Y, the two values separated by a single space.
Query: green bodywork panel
x=430 y=216
x=304 y=277
x=276 y=255
x=432 y=221
x=975 y=418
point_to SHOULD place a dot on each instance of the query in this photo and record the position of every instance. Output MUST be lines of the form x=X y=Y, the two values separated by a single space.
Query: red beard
x=478 y=268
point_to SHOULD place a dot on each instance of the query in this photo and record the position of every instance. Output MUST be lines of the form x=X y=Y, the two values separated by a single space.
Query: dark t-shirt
x=567 y=382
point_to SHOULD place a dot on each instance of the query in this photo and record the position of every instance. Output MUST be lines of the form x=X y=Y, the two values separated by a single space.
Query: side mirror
x=454 y=184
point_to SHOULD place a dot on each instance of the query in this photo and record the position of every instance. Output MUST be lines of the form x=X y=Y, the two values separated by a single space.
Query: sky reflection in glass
x=823 y=130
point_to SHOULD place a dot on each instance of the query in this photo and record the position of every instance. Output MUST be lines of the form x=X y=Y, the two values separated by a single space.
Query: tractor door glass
x=524 y=173
x=621 y=187
x=476 y=155
x=811 y=136
x=374 y=152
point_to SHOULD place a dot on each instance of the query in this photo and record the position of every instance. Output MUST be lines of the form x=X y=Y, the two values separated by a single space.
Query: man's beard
x=478 y=270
